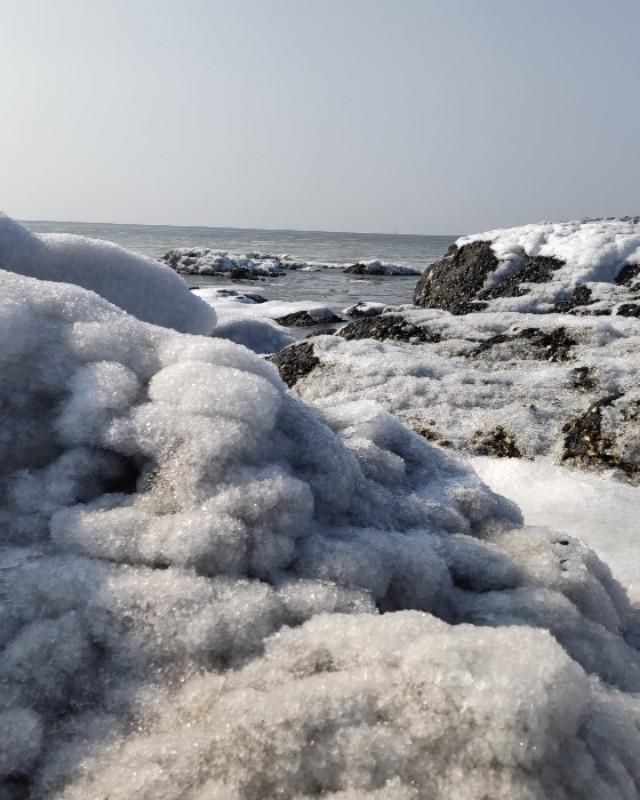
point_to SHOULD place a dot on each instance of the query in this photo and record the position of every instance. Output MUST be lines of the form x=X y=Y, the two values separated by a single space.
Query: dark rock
x=581 y=296
x=387 y=326
x=556 y=344
x=584 y=379
x=457 y=278
x=629 y=310
x=356 y=269
x=364 y=310
x=538 y=269
x=242 y=273
x=627 y=274
x=295 y=361
x=303 y=319
x=498 y=442
x=455 y=283
x=586 y=445
x=255 y=297
x=552 y=345
x=597 y=312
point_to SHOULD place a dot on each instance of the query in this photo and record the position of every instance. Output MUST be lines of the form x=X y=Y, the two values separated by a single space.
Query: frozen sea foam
x=210 y=590
x=145 y=288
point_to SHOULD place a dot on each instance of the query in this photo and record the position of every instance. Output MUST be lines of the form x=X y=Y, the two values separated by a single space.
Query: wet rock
x=584 y=379
x=307 y=319
x=456 y=279
x=499 y=443
x=295 y=361
x=365 y=310
x=388 y=327
x=379 y=268
x=629 y=310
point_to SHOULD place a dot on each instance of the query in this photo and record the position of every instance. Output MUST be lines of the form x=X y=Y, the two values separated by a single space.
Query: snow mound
x=140 y=286
x=194 y=568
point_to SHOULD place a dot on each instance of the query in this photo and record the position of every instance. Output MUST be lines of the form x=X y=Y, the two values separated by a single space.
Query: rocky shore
x=507 y=352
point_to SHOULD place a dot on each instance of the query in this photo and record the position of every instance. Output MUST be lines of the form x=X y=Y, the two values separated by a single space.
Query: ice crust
x=210 y=590
x=143 y=287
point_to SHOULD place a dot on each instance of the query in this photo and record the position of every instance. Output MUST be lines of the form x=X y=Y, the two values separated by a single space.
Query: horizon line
x=233 y=228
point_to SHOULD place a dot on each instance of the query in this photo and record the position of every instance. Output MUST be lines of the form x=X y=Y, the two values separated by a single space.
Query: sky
x=415 y=116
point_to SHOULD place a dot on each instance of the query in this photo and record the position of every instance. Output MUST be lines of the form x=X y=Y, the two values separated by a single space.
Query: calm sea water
x=328 y=286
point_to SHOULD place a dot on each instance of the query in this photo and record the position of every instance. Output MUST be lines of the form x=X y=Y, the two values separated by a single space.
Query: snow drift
x=211 y=591
x=143 y=287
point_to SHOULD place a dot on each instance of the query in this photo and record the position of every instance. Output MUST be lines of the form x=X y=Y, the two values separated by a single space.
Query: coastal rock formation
x=308 y=318
x=387 y=326
x=295 y=361
x=379 y=268
x=456 y=280
x=588 y=267
x=458 y=379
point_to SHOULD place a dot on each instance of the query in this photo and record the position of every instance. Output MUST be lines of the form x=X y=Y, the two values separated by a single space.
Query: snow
x=364 y=309
x=143 y=287
x=253 y=324
x=456 y=392
x=600 y=511
x=209 y=261
x=211 y=589
x=593 y=251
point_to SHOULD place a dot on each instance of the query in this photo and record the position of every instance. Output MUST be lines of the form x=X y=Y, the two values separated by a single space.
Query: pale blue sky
x=424 y=116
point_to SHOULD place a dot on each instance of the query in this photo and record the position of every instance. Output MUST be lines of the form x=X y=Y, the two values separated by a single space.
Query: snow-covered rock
x=364 y=309
x=375 y=267
x=194 y=567
x=208 y=261
x=205 y=261
x=590 y=267
x=143 y=287
x=504 y=384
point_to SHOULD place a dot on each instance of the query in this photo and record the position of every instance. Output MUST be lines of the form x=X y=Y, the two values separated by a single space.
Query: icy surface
x=599 y=511
x=210 y=590
x=143 y=287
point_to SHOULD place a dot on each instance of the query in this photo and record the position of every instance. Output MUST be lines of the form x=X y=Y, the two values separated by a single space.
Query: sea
x=329 y=286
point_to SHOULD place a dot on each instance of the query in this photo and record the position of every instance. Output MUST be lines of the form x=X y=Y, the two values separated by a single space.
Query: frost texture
x=193 y=570
x=143 y=287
